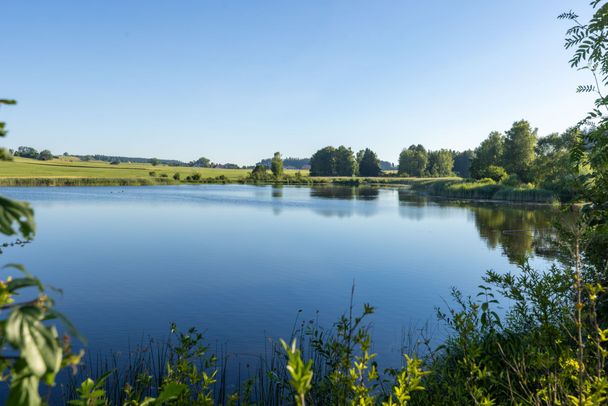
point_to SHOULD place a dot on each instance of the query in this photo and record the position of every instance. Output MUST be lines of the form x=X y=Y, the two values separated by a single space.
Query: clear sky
x=237 y=80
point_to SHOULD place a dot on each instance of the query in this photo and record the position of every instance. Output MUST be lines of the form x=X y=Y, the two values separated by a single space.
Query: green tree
x=323 y=162
x=26 y=152
x=154 y=161
x=368 y=163
x=552 y=167
x=259 y=171
x=45 y=155
x=202 y=162
x=494 y=172
x=276 y=165
x=589 y=43
x=345 y=162
x=489 y=152
x=520 y=145
x=413 y=161
x=441 y=163
x=462 y=162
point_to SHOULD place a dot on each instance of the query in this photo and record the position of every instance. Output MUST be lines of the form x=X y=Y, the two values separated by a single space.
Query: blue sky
x=237 y=80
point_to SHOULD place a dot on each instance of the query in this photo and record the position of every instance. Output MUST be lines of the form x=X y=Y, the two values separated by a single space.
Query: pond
x=240 y=262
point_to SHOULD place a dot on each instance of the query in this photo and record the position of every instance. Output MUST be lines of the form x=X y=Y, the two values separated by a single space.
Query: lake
x=239 y=262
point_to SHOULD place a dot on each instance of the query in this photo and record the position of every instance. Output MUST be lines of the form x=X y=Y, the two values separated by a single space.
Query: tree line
x=516 y=156
x=342 y=161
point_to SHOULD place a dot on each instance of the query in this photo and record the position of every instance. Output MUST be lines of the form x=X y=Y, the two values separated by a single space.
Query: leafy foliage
x=276 y=165
x=330 y=161
x=519 y=150
x=40 y=353
x=413 y=161
x=368 y=163
x=489 y=152
x=440 y=163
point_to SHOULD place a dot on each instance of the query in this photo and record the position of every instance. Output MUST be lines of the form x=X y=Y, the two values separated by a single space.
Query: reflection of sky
x=240 y=261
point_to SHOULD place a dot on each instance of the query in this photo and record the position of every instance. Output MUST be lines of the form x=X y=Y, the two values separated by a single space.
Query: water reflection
x=345 y=192
x=239 y=261
x=277 y=191
x=346 y=197
x=519 y=231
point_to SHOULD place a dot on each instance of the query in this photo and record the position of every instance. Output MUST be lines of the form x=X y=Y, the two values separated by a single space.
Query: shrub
x=496 y=173
x=512 y=180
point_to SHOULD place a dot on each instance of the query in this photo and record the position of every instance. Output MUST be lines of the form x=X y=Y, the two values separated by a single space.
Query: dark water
x=240 y=261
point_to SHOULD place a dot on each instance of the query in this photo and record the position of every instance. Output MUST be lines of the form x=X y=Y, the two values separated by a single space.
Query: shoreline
x=440 y=188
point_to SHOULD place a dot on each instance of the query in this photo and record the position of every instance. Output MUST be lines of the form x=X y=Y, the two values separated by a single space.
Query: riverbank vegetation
x=516 y=167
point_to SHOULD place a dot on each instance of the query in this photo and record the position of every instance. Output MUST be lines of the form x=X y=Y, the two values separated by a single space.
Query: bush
x=177 y=176
x=496 y=173
x=152 y=173
x=512 y=180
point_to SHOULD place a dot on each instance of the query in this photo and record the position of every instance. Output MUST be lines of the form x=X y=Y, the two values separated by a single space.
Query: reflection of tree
x=345 y=192
x=366 y=193
x=342 y=208
x=333 y=192
x=277 y=191
x=520 y=232
x=410 y=198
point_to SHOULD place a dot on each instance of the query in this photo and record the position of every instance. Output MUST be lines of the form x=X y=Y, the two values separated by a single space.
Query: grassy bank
x=484 y=190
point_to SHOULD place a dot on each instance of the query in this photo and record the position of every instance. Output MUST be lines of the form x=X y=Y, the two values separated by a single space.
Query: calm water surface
x=239 y=262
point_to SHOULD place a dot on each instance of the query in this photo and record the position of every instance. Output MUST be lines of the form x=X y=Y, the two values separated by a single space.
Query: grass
x=67 y=171
x=63 y=168
x=484 y=190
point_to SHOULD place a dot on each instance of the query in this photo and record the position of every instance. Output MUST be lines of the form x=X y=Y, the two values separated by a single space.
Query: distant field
x=66 y=168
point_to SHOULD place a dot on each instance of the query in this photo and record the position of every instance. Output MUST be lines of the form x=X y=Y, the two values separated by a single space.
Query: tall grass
x=486 y=190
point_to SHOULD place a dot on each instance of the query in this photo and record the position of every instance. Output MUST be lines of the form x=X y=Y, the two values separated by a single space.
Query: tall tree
x=322 y=163
x=345 y=162
x=520 y=145
x=552 y=166
x=276 y=165
x=369 y=164
x=489 y=152
x=413 y=161
x=462 y=163
x=441 y=163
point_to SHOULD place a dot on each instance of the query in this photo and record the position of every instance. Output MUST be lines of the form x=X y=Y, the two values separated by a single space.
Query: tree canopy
x=440 y=163
x=489 y=152
x=519 y=150
x=276 y=166
x=413 y=161
x=330 y=161
x=369 y=164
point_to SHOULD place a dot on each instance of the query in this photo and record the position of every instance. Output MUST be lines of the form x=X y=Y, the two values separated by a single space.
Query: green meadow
x=69 y=168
